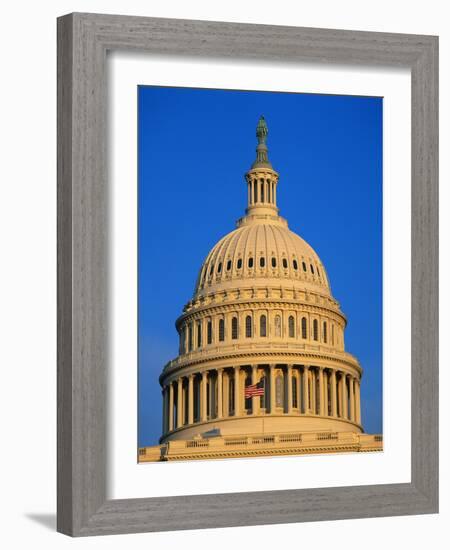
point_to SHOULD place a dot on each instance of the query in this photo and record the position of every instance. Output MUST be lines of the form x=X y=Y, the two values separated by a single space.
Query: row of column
x=318 y=390
x=261 y=191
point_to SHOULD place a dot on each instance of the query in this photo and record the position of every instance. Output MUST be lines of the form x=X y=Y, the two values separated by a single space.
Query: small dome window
x=312 y=268
x=274 y=262
x=285 y=263
x=228 y=265
x=211 y=269
x=250 y=262
x=295 y=264
x=239 y=263
x=318 y=272
x=262 y=261
x=219 y=267
x=304 y=266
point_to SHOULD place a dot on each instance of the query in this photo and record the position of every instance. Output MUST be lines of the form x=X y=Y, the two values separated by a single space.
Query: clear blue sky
x=194 y=147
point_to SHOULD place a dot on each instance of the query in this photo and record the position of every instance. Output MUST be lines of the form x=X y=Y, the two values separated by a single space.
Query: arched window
x=250 y=262
x=274 y=262
x=248 y=327
x=239 y=263
x=291 y=324
x=199 y=335
x=285 y=263
x=219 y=267
x=263 y=325
x=190 y=337
x=312 y=268
x=294 y=392
x=262 y=261
x=315 y=329
x=295 y=264
x=209 y=332
x=304 y=266
x=221 y=330
x=304 y=328
x=234 y=328
x=317 y=269
x=211 y=269
x=277 y=326
x=279 y=391
x=325 y=332
x=228 y=265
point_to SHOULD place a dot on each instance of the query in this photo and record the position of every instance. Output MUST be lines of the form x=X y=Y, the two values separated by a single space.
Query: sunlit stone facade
x=263 y=316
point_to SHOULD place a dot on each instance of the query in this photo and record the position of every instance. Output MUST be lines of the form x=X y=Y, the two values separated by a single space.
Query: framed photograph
x=247 y=274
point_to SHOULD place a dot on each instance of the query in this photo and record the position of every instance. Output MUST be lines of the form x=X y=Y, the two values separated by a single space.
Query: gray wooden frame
x=83 y=41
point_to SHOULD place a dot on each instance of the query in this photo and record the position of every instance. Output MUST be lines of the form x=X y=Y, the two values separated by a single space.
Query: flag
x=254 y=390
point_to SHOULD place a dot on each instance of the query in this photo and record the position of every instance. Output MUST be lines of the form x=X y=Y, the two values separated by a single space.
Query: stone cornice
x=214 y=360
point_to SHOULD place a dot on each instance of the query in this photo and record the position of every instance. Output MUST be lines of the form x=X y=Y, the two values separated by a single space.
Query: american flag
x=254 y=390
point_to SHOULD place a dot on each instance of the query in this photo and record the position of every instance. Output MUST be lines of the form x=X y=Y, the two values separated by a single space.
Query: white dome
x=262 y=253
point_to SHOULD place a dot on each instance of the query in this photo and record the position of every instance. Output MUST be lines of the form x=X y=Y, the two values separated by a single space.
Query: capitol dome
x=262 y=358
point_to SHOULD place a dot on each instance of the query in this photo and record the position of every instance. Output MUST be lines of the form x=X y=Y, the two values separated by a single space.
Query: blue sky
x=194 y=147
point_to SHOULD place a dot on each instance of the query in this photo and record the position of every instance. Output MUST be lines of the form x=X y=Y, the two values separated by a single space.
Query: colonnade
x=287 y=389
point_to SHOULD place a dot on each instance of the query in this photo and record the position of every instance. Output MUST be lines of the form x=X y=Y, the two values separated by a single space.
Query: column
x=313 y=391
x=255 y=399
x=191 y=399
x=272 y=389
x=305 y=388
x=219 y=394
x=325 y=391
x=344 y=396
x=352 y=398
x=358 y=402
x=204 y=401
x=333 y=394
x=170 y=406
x=179 y=402
x=237 y=408
x=289 y=389
x=321 y=393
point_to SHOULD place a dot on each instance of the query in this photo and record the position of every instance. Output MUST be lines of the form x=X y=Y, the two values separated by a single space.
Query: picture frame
x=83 y=41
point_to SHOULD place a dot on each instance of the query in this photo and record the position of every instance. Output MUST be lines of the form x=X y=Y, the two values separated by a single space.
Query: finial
x=262 y=131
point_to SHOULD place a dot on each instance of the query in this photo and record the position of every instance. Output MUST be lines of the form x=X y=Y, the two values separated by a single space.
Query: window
x=234 y=328
x=304 y=266
x=291 y=324
x=315 y=329
x=325 y=332
x=219 y=267
x=250 y=262
x=228 y=265
x=279 y=391
x=318 y=272
x=312 y=268
x=211 y=269
x=304 y=328
x=199 y=335
x=274 y=262
x=239 y=263
x=262 y=261
x=263 y=326
x=248 y=327
x=285 y=263
x=255 y=192
x=294 y=392
x=221 y=330
x=277 y=326
x=295 y=264
x=209 y=332
x=262 y=190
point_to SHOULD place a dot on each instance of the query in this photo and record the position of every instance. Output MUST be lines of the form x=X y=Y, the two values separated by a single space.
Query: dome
x=260 y=253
